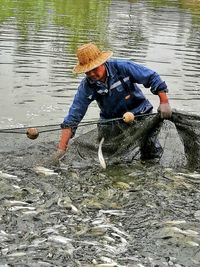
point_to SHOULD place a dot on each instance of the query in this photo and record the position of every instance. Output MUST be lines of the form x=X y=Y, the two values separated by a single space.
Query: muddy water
x=129 y=215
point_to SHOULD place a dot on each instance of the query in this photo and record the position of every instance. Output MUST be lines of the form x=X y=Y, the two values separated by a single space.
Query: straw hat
x=90 y=57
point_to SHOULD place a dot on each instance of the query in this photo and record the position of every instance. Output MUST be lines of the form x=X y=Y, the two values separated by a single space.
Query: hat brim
x=102 y=58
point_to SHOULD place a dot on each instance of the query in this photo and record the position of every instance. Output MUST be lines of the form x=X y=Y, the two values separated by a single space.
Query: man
x=113 y=84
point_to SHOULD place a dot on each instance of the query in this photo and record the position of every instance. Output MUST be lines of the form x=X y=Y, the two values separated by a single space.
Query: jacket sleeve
x=149 y=78
x=78 y=108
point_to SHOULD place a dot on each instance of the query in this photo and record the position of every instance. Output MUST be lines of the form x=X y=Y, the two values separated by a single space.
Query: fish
x=192 y=244
x=16 y=208
x=17 y=254
x=106 y=265
x=113 y=212
x=15 y=202
x=9 y=176
x=175 y=222
x=100 y=154
x=6 y=175
x=6 y=237
x=44 y=171
x=66 y=202
x=69 y=248
x=194 y=175
x=171 y=231
x=59 y=239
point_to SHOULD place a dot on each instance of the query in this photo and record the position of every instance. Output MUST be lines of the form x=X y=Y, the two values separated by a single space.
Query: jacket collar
x=110 y=68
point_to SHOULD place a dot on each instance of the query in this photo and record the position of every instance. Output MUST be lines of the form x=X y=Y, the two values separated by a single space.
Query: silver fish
x=17 y=254
x=15 y=202
x=106 y=265
x=63 y=241
x=59 y=239
x=44 y=171
x=100 y=155
x=194 y=175
x=113 y=212
x=192 y=244
x=16 y=208
x=9 y=176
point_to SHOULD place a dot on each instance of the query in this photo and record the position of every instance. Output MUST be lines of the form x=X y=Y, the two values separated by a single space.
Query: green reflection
x=77 y=16
x=73 y=16
x=81 y=20
x=28 y=15
x=194 y=7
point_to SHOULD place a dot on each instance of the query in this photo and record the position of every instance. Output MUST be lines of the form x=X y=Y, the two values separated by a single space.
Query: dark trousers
x=150 y=147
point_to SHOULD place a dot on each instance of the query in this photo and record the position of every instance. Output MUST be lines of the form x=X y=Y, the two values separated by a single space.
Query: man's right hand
x=62 y=146
x=57 y=156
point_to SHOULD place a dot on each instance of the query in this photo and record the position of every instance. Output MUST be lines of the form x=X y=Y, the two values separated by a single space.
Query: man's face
x=97 y=74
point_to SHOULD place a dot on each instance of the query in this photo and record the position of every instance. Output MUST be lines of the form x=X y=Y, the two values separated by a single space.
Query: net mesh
x=188 y=127
x=180 y=139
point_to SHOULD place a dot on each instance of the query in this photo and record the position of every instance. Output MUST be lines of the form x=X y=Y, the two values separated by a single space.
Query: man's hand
x=62 y=146
x=57 y=155
x=165 y=111
x=164 y=107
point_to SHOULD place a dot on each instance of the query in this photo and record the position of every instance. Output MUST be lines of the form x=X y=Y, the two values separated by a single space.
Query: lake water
x=38 y=40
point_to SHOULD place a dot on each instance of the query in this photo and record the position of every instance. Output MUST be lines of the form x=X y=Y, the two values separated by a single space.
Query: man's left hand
x=165 y=111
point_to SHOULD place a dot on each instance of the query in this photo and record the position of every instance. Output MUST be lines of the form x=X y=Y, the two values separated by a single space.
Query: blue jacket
x=120 y=94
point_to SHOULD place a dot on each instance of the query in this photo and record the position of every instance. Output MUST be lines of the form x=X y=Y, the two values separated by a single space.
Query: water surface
x=38 y=40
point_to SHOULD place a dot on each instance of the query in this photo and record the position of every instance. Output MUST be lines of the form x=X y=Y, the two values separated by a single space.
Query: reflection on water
x=38 y=41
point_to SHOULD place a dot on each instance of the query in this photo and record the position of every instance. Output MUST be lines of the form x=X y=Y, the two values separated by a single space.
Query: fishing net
x=121 y=140
x=188 y=127
x=123 y=143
